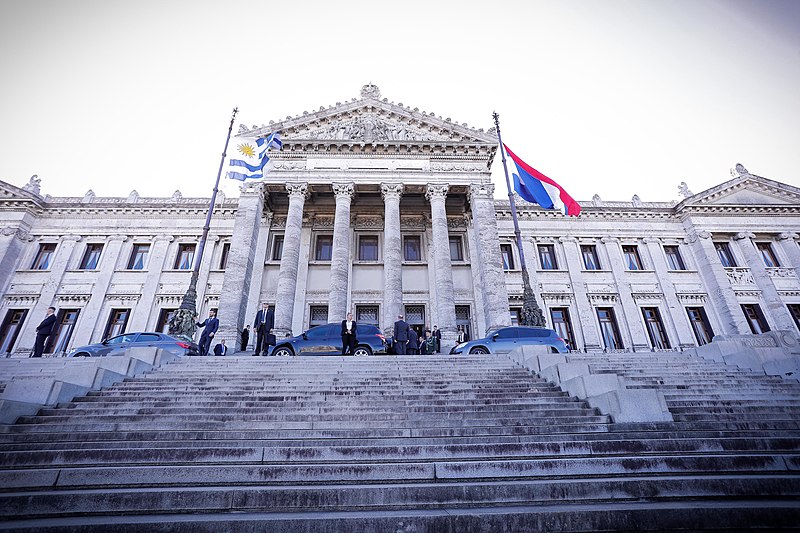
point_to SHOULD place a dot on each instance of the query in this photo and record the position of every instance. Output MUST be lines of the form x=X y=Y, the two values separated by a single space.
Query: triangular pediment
x=747 y=189
x=371 y=119
x=12 y=192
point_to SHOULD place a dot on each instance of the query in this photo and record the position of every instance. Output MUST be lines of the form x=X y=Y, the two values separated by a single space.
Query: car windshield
x=491 y=332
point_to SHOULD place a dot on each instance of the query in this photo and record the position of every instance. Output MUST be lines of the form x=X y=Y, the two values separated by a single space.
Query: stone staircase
x=416 y=444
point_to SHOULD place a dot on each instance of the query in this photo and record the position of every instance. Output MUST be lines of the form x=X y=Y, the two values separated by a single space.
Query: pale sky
x=611 y=97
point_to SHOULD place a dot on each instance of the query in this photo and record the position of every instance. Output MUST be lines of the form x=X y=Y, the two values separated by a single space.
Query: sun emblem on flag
x=247 y=149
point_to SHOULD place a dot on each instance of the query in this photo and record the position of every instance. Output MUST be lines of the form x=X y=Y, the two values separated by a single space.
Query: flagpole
x=531 y=312
x=184 y=320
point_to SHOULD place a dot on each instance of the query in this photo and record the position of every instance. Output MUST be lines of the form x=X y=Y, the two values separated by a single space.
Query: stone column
x=586 y=316
x=155 y=266
x=677 y=314
x=340 y=256
x=720 y=292
x=493 y=287
x=443 y=269
x=789 y=243
x=90 y=314
x=632 y=313
x=61 y=260
x=769 y=293
x=287 y=275
x=392 y=255
x=12 y=244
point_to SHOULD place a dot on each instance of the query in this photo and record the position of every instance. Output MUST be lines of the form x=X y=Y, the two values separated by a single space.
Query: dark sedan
x=503 y=340
x=327 y=340
x=120 y=344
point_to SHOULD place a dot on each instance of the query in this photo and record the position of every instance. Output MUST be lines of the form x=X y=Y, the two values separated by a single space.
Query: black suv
x=327 y=340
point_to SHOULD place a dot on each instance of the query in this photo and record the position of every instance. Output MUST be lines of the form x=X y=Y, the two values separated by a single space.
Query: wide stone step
x=288 y=498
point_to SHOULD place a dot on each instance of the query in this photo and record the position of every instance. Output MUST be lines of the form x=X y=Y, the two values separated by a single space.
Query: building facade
x=379 y=209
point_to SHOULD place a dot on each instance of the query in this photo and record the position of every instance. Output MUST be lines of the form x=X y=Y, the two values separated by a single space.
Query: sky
x=614 y=98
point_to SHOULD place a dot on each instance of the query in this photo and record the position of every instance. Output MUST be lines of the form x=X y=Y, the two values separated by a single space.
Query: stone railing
x=740 y=276
x=781 y=272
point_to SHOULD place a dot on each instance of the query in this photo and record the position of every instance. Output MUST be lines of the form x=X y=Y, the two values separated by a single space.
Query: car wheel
x=283 y=351
x=479 y=350
x=362 y=351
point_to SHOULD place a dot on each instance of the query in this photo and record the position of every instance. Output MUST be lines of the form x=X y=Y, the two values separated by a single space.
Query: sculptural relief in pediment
x=370 y=127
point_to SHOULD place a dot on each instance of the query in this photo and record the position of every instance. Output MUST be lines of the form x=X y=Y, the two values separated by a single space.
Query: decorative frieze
x=692 y=298
x=780 y=272
x=23 y=300
x=419 y=222
x=368 y=222
x=739 y=276
x=603 y=298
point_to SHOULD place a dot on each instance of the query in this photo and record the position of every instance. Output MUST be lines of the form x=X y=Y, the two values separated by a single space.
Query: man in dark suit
x=44 y=330
x=210 y=326
x=437 y=335
x=221 y=349
x=245 y=337
x=263 y=324
x=349 y=335
x=402 y=332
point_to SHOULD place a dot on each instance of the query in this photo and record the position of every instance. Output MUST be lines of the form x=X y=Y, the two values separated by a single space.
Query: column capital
x=567 y=238
x=391 y=191
x=742 y=235
x=71 y=237
x=118 y=237
x=17 y=232
x=481 y=191
x=608 y=239
x=651 y=240
x=787 y=235
x=253 y=188
x=436 y=190
x=297 y=190
x=344 y=191
x=695 y=235
x=163 y=237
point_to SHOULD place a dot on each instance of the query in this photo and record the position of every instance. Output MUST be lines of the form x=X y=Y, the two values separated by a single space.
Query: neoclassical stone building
x=380 y=209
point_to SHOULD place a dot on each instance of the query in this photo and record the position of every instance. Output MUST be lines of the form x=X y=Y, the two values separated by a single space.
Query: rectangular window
x=164 y=316
x=223 y=257
x=463 y=320
x=368 y=248
x=609 y=329
x=547 y=257
x=277 y=248
x=508 y=256
x=700 y=325
x=563 y=325
x=66 y=325
x=324 y=248
x=185 y=258
x=725 y=255
x=655 y=328
x=91 y=258
x=590 y=259
x=515 y=313
x=632 y=259
x=43 y=256
x=456 y=249
x=318 y=315
x=12 y=324
x=412 y=248
x=116 y=323
x=765 y=249
x=794 y=310
x=415 y=315
x=755 y=318
x=367 y=314
x=138 y=259
x=674 y=259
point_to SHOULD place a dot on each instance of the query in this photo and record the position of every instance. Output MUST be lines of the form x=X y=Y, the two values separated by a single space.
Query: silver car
x=503 y=340
x=120 y=344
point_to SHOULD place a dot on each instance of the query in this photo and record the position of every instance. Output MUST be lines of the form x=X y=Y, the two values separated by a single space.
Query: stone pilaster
x=676 y=313
x=12 y=244
x=155 y=267
x=638 y=336
x=392 y=254
x=775 y=307
x=443 y=269
x=287 y=275
x=493 y=279
x=90 y=315
x=61 y=260
x=789 y=243
x=340 y=255
x=722 y=296
x=586 y=318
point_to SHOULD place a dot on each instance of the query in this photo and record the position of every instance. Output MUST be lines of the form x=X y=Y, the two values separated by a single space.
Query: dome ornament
x=370 y=91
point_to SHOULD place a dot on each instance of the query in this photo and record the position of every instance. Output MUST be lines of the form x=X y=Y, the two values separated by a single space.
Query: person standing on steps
x=437 y=335
x=264 y=322
x=43 y=331
x=210 y=326
x=402 y=333
x=349 y=335
x=245 y=337
x=220 y=349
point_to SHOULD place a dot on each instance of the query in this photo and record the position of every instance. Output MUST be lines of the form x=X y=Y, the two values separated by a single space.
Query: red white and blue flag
x=535 y=187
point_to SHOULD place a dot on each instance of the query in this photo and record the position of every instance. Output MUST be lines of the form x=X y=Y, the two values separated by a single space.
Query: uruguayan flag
x=250 y=157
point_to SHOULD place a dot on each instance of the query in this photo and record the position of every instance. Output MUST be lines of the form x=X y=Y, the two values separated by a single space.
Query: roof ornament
x=370 y=91
x=684 y=191
x=739 y=171
x=34 y=185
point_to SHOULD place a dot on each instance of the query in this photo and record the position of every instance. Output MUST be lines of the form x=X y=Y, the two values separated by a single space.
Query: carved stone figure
x=370 y=91
x=684 y=191
x=34 y=185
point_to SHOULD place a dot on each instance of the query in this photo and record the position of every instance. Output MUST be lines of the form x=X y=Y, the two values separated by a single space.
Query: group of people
x=262 y=325
x=406 y=340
